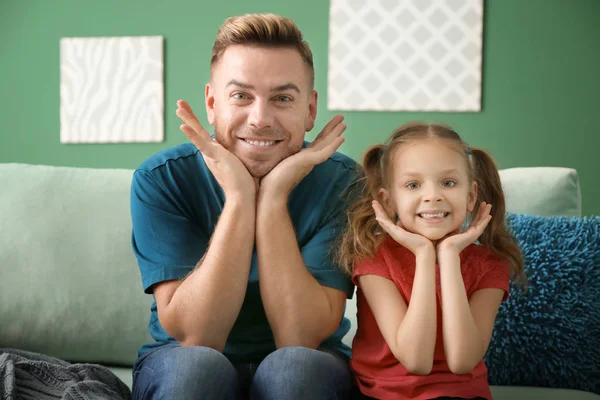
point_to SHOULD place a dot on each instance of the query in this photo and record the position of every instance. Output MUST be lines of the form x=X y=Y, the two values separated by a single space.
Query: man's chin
x=258 y=170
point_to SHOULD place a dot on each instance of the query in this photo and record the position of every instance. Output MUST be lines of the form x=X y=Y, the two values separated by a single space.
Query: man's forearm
x=296 y=305
x=205 y=306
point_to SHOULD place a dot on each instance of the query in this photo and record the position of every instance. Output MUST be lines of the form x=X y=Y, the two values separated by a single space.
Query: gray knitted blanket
x=25 y=375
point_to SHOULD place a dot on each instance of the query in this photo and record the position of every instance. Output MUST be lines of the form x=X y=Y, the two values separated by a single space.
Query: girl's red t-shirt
x=378 y=373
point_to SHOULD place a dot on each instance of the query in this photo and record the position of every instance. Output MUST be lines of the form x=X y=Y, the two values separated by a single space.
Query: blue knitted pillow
x=549 y=336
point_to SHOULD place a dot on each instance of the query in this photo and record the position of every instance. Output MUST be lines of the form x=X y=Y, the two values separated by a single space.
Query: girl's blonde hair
x=362 y=237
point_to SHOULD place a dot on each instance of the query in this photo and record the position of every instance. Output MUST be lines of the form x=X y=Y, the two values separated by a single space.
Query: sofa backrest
x=69 y=282
x=544 y=191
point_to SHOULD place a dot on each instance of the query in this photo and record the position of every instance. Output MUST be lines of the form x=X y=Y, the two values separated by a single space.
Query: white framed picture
x=405 y=55
x=111 y=89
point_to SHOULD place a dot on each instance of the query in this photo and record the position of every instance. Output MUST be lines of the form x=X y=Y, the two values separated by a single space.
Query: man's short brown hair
x=262 y=30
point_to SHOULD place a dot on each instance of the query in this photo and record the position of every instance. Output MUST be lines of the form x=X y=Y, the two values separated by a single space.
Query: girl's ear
x=386 y=201
x=472 y=200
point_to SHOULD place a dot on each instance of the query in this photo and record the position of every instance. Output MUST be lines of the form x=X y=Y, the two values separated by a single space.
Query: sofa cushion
x=539 y=393
x=70 y=285
x=545 y=191
x=550 y=335
x=125 y=374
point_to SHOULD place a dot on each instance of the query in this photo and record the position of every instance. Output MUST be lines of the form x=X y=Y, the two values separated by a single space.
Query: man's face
x=260 y=102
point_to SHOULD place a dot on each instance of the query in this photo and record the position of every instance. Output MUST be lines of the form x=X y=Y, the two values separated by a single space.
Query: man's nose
x=261 y=115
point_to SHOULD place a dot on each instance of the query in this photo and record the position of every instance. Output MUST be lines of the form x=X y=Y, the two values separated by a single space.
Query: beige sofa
x=70 y=286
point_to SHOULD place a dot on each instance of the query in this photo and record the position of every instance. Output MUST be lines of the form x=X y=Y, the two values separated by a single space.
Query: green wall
x=540 y=89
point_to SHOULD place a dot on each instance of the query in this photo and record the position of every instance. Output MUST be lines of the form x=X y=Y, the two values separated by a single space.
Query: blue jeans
x=175 y=372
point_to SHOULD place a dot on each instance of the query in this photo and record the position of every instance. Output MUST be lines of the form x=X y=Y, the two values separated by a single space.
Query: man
x=256 y=204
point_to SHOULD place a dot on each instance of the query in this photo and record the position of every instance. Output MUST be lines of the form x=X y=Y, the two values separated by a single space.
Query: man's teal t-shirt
x=175 y=205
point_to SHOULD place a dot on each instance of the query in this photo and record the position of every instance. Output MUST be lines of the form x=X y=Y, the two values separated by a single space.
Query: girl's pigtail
x=362 y=237
x=496 y=236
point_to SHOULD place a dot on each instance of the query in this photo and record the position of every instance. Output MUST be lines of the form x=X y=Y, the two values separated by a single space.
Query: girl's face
x=429 y=187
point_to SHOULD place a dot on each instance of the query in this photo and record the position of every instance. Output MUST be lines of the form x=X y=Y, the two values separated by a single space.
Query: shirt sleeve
x=320 y=251
x=495 y=274
x=319 y=259
x=166 y=243
x=372 y=266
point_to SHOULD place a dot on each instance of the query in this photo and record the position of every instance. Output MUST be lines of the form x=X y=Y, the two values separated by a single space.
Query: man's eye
x=239 y=96
x=283 y=99
x=449 y=183
x=412 y=185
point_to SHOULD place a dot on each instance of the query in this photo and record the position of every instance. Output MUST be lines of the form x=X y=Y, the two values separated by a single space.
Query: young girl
x=427 y=293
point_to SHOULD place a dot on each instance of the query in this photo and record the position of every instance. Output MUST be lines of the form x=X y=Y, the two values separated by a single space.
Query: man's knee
x=184 y=372
x=301 y=373
x=298 y=359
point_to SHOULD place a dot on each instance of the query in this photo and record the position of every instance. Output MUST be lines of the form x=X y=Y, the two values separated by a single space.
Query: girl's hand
x=415 y=243
x=457 y=242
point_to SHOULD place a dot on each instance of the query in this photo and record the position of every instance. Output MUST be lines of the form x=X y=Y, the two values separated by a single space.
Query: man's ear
x=472 y=197
x=312 y=111
x=209 y=101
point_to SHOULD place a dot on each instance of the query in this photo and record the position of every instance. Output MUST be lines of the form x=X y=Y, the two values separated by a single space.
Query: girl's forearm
x=417 y=333
x=463 y=343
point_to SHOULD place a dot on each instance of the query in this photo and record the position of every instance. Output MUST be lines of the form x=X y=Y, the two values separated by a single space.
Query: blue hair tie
x=468 y=151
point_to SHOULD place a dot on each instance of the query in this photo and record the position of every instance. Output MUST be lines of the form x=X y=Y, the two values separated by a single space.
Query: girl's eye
x=449 y=183
x=412 y=185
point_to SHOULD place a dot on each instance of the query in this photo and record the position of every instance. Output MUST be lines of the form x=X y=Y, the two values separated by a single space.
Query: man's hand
x=282 y=179
x=457 y=242
x=228 y=170
x=412 y=241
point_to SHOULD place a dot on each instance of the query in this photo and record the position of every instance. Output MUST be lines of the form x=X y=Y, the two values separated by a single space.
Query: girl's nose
x=432 y=194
